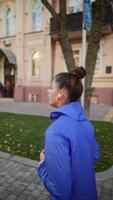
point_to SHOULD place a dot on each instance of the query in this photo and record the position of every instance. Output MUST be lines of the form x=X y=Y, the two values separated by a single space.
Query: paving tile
x=18 y=180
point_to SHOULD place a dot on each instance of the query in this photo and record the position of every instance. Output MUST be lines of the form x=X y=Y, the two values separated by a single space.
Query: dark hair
x=72 y=82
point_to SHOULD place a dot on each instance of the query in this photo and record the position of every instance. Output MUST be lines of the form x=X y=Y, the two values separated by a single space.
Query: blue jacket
x=70 y=152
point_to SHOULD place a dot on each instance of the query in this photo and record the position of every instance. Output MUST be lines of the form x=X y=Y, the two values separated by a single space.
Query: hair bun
x=79 y=72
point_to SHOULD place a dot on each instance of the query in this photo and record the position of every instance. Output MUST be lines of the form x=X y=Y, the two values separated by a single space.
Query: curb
x=100 y=176
x=19 y=159
x=105 y=175
x=109 y=116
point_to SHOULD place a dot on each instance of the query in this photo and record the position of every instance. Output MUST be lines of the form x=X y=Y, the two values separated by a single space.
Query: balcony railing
x=74 y=22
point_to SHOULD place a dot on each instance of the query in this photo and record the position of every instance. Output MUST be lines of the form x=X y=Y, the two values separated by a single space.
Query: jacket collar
x=73 y=110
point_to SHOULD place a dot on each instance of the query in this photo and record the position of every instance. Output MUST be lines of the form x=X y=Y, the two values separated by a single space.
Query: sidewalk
x=18 y=179
x=18 y=176
x=101 y=112
x=98 y=111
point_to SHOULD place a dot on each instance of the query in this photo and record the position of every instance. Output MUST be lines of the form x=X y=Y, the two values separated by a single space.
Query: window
x=36 y=64
x=98 y=63
x=9 y=22
x=76 y=54
x=74 y=6
x=98 y=60
x=37 y=16
x=108 y=69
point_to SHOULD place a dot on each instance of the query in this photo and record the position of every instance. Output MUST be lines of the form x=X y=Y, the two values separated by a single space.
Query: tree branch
x=62 y=4
x=49 y=8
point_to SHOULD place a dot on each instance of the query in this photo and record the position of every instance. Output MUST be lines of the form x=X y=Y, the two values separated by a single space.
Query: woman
x=67 y=161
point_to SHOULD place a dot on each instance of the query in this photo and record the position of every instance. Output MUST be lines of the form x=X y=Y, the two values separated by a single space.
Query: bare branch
x=49 y=8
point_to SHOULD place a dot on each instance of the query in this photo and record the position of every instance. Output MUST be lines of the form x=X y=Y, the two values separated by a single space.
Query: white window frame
x=31 y=66
x=75 y=49
x=98 y=66
x=37 y=16
x=78 y=49
x=9 y=20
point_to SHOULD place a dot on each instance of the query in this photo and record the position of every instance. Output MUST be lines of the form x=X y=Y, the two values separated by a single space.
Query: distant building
x=30 y=54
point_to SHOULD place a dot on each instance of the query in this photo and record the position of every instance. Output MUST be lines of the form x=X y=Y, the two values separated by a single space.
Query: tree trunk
x=93 y=47
x=62 y=32
x=65 y=44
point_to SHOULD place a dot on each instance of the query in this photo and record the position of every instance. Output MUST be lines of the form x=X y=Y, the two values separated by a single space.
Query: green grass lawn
x=23 y=135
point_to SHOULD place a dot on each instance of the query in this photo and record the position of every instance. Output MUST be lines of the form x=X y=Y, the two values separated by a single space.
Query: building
x=30 y=54
x=25 y=49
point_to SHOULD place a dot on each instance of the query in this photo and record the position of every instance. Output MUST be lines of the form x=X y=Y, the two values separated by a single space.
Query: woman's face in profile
x=57 y=96
x=53 y=94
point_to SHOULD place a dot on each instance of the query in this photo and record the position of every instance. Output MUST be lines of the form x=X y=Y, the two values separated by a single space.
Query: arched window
x=36 y=64
x=9 y=22
x=37 y=16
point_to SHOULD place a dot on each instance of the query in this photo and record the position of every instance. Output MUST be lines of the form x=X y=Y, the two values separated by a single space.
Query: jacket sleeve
x=55 y=172
x=97 y=152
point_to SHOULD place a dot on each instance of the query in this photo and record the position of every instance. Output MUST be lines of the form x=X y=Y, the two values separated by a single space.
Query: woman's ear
x=58 y=97
x=62 y=95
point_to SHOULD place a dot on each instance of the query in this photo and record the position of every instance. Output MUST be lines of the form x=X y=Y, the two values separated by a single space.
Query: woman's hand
x=42 y=155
